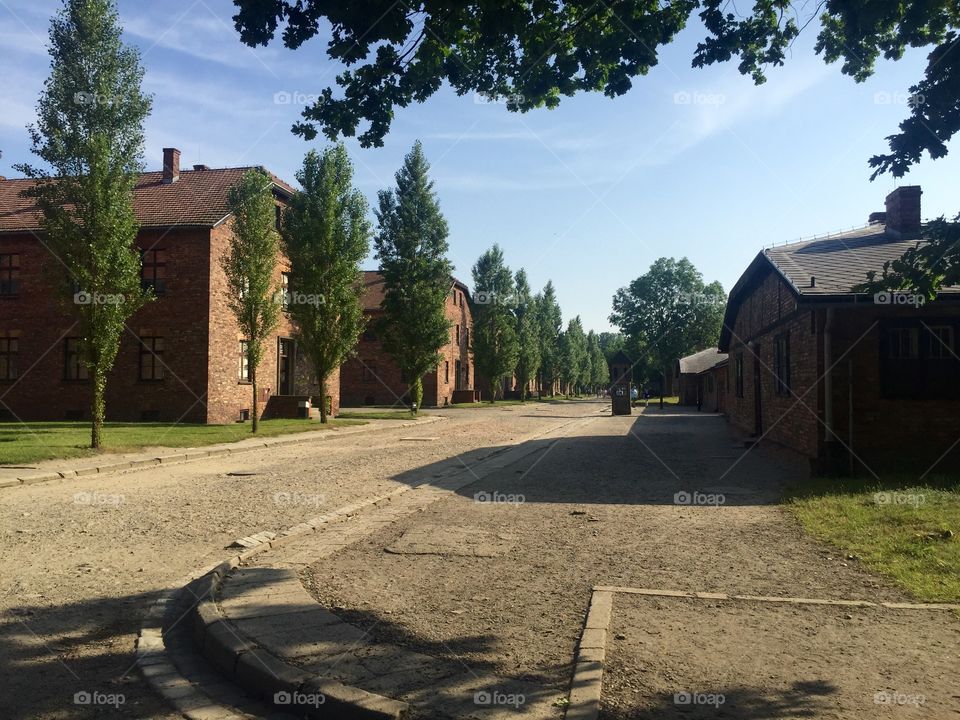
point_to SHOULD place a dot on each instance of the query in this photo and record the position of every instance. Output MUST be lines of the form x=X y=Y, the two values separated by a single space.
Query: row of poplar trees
x=521 y=335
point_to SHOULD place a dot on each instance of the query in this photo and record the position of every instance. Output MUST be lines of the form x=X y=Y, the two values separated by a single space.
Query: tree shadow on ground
x=803 y=699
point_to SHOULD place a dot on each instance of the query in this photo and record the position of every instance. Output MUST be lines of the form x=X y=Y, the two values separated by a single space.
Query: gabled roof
x=374 y=289
x=823 y=269
x=197 y=199
x=701 y=361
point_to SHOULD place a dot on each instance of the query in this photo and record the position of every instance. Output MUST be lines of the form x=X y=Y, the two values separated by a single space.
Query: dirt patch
x=430 y=539
x=677 y=658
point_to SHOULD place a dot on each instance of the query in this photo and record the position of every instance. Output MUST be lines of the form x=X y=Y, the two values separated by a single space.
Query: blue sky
x=690 y=162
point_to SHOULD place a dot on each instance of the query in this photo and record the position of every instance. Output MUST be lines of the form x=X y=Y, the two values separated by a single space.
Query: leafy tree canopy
x=669 y=311
x=533 y=54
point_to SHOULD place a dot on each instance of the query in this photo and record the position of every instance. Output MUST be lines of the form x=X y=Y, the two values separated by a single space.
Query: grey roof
x=702 y=361
x=838 y=262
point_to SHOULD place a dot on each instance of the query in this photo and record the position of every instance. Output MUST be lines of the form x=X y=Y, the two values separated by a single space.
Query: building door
x=285 y=367
x=757 y=404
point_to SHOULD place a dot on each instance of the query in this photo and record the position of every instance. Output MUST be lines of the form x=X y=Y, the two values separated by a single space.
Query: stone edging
x=162 y=675
x=587 y=682
x=175 y=458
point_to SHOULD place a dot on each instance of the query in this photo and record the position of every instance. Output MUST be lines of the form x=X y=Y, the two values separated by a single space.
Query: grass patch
x=896 y=527
x=20 y=443
x=378 y=415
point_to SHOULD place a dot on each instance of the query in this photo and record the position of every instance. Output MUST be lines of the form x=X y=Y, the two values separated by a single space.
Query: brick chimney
x=171 y=165
x=903 y=210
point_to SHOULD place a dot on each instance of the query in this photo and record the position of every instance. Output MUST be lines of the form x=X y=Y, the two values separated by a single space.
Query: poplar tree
x=89 y=133
x=249 y=264
x=326 y=236
x=528 y=340
x=411 y=245
x=494 y=336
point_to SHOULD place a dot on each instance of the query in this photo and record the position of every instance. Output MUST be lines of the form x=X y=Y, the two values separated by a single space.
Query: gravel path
x=503 y=586
x=81 y=558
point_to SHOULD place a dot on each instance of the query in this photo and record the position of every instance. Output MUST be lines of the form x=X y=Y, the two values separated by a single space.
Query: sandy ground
x=81 y=559
x=598 y=508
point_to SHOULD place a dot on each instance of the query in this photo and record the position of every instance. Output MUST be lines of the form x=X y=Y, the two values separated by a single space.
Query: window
x=458 y=334
x=903 y=343
x=9 y=347
x=369 y=335
x=940 y=342
x=370 y=372
x=153 y=271
x=781 y=364
x=9 y=274
x=446 y=372
x=243 y=361
x=73 y=368
x=151 y=358
x=277 y=217
x=285 y=290
x=738 y=374
x=466 y=336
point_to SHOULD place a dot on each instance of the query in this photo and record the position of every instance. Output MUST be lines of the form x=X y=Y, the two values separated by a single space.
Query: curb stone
x=154 y=659
x=184 y=457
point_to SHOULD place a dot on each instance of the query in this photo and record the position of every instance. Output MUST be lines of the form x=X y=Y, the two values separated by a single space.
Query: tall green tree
x=549 y=323
x=599 y=370
x=412 y=249
x=89 y=133
x=326 y=235
x=670 y=312
x=573 y=356
x=528 y=337
x=494 y=338
x=249 y=265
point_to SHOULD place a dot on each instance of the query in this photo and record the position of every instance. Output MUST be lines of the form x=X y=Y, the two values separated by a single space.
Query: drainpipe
x=828 y=435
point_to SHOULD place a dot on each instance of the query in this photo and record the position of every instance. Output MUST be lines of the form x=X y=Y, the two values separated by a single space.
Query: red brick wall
x=384 y=385
x=766 y=312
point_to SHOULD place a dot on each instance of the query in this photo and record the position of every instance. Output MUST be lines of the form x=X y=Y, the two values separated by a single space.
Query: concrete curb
x=223 y=647
x=587 y=681
x=273 y=680
x=191 y=454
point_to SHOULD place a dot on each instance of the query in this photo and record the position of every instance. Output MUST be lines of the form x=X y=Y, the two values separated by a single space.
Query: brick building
x=371 y=377
x=847 y=379
x=181 y=357
x=701 y=379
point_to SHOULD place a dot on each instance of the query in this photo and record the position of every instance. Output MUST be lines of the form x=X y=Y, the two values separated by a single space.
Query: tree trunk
x=416 y=394
x=254 y=420
x=493 y=391
x=323 y=401
x=98 y=407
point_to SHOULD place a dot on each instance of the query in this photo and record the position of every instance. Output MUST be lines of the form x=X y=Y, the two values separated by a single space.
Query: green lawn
x=28 y=443
x=376 y=414
x=896 y=527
